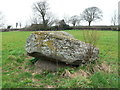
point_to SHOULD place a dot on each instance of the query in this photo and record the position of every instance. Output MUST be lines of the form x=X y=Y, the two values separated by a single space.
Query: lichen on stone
x=50 y=44
x=60 y=46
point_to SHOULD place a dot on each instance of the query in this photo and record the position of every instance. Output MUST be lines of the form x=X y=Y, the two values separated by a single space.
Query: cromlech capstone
x=60 y=46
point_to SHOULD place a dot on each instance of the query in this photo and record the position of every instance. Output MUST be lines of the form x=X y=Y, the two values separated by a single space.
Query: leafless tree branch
x=92 y=14
x=114 y=19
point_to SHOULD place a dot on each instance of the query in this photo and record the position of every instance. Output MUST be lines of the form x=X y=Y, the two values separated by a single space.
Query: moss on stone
x=50 y=44
x=43 y=35
x=55 y=35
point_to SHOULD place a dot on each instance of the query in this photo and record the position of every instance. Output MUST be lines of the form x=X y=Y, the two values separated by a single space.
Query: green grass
x=17 y=70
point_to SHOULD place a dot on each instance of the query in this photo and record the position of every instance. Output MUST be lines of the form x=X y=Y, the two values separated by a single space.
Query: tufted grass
x=17 y=70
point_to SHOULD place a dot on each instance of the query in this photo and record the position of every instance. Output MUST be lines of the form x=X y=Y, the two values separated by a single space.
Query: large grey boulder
x=60 y=46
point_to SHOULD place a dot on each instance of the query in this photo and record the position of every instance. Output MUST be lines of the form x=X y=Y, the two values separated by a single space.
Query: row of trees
x=43 y=16
x=41 y=9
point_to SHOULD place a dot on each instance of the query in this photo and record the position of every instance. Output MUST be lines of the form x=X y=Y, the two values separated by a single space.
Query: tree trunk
x=89 y=23
x=74 y=24
x=44 y=23
x=114 y=24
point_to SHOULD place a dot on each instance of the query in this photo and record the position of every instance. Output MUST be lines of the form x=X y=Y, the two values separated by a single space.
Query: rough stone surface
x=60 y=46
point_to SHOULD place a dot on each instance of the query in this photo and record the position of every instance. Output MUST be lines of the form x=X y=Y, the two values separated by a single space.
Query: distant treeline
x=96 y=27
x=55 y=28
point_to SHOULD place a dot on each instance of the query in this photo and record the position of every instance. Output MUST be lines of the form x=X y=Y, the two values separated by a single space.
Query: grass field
x=18 y=71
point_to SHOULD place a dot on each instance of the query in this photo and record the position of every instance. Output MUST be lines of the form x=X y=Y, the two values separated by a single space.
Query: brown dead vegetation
x=103 y=67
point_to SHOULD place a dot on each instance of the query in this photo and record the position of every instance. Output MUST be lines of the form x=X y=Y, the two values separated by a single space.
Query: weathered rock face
x=60 y=46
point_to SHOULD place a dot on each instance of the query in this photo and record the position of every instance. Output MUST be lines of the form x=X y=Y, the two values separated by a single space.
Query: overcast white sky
x=21 y=10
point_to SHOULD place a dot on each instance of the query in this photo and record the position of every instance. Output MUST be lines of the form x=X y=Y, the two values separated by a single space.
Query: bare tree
x=1 y=19
x=91 y=14
x=41 y=8
x=50 y=19
x=114 y=19
x=35 y=19
x=74 y=20
x=66 y=19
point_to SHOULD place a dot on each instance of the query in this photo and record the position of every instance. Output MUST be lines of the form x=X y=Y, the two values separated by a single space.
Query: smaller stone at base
x=45 y=65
